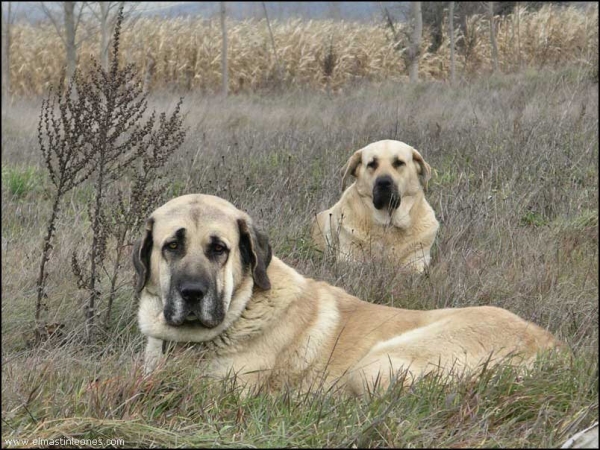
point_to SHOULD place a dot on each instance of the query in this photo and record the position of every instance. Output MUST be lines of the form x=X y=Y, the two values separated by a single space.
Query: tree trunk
x=518 y=35
x=279 y=71
x=69 y=8
x=150 y=67
x=451 y=20
x=414 y=52
x=493 y=36
x=464 y=44
x=6 y=24
x=224 y=72
x=104 y=34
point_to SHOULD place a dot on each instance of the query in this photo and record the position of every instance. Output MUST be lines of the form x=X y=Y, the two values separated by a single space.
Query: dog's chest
x=252 y=361
x=378 y=240
x=248 y=367
x=281 y=357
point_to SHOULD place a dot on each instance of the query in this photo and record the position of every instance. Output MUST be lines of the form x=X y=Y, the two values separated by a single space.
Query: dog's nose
x=193 y=291
x=385 y=182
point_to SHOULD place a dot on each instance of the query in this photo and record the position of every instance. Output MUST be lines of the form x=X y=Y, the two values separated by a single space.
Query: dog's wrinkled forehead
x=202 y=214
x=387 y=150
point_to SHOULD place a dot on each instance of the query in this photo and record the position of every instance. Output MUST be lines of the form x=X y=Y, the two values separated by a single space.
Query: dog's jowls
x=384 y=213
x=206 y=274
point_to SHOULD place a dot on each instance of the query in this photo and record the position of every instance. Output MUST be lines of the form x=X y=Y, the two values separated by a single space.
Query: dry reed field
x=187 y=52
x=515 y=190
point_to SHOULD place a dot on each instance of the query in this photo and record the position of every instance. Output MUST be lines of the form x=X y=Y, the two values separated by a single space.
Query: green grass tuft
x=20 y=181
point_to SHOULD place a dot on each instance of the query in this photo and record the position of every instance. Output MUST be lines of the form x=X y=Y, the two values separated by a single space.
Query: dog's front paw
x=153 y=355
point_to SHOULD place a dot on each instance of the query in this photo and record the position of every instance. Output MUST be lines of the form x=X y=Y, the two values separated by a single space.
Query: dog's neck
x=286 y=285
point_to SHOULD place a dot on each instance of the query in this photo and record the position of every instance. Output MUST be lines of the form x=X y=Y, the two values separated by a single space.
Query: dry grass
x=187 y=51
x=516 y=193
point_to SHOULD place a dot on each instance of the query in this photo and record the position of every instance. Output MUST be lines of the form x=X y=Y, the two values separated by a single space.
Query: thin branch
x=50 y=16
x=279 y=72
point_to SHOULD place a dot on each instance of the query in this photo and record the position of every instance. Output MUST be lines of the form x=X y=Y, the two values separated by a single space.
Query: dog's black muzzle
x=385 y=193
x=199 y=302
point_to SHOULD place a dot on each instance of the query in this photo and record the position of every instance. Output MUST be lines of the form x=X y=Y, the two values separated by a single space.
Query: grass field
x=515 y=190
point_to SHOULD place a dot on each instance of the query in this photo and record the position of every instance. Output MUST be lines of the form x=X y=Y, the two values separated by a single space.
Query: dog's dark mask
x=385 y=193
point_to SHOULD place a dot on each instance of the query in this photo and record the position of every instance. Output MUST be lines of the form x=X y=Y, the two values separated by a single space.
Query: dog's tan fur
x=356 y=231
x=301 y=332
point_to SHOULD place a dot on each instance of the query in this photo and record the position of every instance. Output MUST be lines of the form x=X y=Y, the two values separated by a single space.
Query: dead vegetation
x=185 y=53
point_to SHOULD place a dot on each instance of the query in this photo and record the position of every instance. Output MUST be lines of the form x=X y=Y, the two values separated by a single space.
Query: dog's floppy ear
x=256 y=250
x=349 y=168
x=141 y=257
x=423 y=169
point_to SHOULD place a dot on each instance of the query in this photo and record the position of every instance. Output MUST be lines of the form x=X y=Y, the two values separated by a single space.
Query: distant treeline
x=185 y=53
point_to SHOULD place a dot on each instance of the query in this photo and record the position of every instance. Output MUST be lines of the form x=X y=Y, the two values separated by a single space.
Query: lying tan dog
x=206 y=274
x=384 y=213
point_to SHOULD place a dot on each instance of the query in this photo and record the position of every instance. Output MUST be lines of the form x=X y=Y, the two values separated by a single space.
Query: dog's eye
x=372 y=165
x=218 y=249
x=398 y=163
x=173 y=245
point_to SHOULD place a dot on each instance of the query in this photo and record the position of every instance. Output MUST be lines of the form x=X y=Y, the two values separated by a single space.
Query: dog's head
x=196 y=251
x=386 y=171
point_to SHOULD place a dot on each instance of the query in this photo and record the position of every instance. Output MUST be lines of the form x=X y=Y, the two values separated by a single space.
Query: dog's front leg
x=153 y=354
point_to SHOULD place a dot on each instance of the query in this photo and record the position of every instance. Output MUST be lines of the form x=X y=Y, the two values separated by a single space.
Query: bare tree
x=149 y=73
x=518 y=35
x=467 y=44
x=493 y=36
x=432 y=14
x=106 y=14
x=278 y=65
x=69 y=8
x=104 y=41
x=390 y=23
x=224 y=72
x=6 y=29
x=451 y=26
x=415 y=44
x=72 y=13
x=401 y=36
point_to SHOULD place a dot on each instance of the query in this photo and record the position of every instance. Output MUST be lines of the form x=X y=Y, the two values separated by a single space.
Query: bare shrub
x=102 y=132
x=68 y=158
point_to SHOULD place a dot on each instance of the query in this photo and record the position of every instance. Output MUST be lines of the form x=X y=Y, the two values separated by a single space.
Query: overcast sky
x=31 y=11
